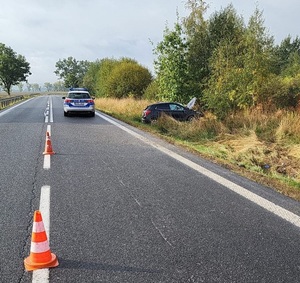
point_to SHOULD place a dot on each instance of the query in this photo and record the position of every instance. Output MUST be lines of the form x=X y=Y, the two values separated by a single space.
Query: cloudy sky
x=45 y=31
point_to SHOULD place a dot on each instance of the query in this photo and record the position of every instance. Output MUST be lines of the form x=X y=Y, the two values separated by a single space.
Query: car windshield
x=78 y=95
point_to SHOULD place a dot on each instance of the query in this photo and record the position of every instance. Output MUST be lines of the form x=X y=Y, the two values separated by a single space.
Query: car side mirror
x=63 y=97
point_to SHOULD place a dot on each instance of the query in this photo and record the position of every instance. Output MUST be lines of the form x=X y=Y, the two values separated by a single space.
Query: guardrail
x=4 y=102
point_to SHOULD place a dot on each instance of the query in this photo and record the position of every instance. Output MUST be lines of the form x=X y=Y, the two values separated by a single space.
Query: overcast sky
x=45 y=31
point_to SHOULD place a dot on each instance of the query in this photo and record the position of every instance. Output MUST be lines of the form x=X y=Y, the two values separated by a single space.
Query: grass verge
x=264 y=147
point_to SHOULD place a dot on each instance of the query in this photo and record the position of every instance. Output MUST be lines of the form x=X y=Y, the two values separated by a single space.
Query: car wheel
x=65 y=114
x=190 y=118
x=92 y=114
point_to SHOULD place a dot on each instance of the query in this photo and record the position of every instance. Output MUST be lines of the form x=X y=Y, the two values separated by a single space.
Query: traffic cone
x=48 y=145
x=40 y=254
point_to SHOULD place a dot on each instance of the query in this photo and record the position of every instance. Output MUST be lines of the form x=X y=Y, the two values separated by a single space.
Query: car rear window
x=78 y=95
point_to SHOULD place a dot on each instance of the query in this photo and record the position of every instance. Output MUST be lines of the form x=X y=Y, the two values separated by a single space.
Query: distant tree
x=71 y=71
x=20 y=87
x=35 y=87
x=29 y=87
x=91 y=76
x=59 y=86
x=128 y=78
x=13 y=68
x=48 y=86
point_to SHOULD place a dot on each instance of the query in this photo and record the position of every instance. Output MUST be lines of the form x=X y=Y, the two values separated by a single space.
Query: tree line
x=229 y=65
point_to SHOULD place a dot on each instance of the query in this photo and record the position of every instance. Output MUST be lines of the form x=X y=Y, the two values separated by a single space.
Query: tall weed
x=289 y=128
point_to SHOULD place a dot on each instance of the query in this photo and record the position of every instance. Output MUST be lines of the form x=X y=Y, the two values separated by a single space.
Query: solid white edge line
x=262 y=202
x=42 y=275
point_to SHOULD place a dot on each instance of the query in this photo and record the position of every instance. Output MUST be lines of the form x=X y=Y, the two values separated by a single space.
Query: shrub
x=128 y=79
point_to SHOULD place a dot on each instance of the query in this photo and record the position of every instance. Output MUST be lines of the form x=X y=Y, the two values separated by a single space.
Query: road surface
x=124 y=206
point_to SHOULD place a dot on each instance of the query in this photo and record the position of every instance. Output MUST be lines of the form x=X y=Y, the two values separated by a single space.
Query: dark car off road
x=175 y=110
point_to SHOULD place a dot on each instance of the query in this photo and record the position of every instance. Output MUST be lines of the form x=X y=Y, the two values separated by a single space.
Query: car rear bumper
x=74 y=109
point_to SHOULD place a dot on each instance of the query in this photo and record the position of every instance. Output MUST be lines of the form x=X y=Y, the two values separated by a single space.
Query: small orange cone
x=48 y=145
x=40 y=254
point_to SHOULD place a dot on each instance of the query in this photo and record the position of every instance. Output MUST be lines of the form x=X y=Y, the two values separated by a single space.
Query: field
x=263 y=146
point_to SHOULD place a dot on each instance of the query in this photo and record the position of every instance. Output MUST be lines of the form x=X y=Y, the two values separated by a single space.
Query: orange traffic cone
x=40 y=254
x=48 y=145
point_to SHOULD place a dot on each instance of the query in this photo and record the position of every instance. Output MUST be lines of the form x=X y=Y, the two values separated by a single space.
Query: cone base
x=29 y=265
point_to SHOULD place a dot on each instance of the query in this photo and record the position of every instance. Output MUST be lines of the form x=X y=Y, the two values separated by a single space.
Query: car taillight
x=68 y=100
x=90 y=101
x=147 y=112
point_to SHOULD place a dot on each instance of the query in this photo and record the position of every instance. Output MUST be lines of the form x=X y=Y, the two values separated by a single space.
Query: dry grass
x=129 y=107
x=262 y=146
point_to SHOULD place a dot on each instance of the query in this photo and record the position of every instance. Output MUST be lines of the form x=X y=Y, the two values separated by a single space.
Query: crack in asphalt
x=38 y=162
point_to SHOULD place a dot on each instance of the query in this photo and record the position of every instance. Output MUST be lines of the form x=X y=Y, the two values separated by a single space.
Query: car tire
x=190 y=118
x=92 y=114
x=65 y=114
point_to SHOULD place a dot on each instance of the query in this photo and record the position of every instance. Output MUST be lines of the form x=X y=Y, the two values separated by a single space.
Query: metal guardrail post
x=7 y=101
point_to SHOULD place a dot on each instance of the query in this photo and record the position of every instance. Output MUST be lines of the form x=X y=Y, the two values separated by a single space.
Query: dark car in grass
x=176 y=110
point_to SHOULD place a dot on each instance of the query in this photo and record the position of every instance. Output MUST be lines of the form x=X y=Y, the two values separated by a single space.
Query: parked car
x=79 y=100
x=176 y=110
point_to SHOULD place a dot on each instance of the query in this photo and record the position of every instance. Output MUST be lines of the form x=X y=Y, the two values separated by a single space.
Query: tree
x=241 y=65
x=13 y=68
x=286 y=54
x=20 y=87
x=171 y=65
x=106 y=67
x=71 y=71
x=35 y=87
x=199 y=46
x=48 y=86
x=103 y=77
x=128 y=79
x=59 y=86
x=91 y=76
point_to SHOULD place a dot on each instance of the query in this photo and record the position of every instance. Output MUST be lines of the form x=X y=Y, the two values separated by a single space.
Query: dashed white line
x=47 y=157
x=49 y=111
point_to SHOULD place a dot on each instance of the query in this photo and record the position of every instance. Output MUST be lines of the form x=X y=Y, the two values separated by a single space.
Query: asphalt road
x=124 y=208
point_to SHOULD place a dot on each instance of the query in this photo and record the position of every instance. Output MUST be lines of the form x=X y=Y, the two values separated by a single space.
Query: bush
x=128 y=79
x=152 y=91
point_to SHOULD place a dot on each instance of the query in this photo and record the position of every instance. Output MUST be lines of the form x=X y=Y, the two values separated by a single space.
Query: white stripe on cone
x=39 y=247
x=38 y=227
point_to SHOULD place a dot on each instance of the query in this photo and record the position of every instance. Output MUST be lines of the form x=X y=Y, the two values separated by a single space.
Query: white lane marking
x=262 y=202
x=47 y=161
x=42 y=275
x=45 y=207
x=49 y=129
x=47 y=157
x=51 y=109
